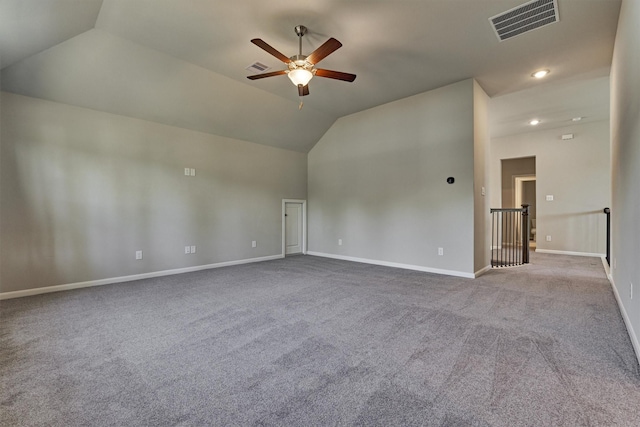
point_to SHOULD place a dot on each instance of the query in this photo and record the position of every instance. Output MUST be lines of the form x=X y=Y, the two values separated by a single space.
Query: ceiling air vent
x=527 y=17
x=258 y=67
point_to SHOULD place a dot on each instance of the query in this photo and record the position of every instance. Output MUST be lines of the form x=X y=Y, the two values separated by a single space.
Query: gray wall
x=575 y=172
x=82 y=190
x=625 y=164
x=377 y=180
x=481 y=205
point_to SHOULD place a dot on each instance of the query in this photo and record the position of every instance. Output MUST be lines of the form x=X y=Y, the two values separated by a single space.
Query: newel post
x=525 y=233
x=607 y=211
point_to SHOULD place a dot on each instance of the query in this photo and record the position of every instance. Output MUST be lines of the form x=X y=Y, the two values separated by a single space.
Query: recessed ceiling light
x=577 y=119
x=534 y=122
x=540 y=74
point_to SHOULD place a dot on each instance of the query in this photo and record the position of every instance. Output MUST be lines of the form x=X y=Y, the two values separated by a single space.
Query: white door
x=293 y=228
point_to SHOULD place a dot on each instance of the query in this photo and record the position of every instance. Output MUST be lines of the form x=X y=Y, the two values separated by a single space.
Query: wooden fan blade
x=338 y=75
x=271 y=74
x=303 y=90
x=268 y=48
x=323 y=51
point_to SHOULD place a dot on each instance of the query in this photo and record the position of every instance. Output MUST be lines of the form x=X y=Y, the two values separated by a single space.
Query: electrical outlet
x=483 y=192
x=440 y=251
x=630 y=290
x=187 y=249
x=339 y=242
x=193 y=172
x=254 y=243
x=138 y=254
x=548 y=238
x=549 y=197
x=187 y=171
x=193 y=249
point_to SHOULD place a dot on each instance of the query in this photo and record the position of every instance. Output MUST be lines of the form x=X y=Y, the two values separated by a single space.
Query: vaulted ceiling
x=183 y=63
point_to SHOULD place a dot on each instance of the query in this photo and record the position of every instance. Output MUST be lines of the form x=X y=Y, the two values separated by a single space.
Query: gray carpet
x=307 y=341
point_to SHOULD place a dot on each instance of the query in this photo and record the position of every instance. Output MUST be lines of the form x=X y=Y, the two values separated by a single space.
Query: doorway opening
x=519 y=187
x=525 y=193
x=294 y=227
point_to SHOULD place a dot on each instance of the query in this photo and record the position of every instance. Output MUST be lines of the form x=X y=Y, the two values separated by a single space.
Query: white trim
x=121 y=279
x=481 y=271
x=518 y=180
x=304 y=224
x=632 y=334
x=395 y=265
x=607 y=268
x=551 y=251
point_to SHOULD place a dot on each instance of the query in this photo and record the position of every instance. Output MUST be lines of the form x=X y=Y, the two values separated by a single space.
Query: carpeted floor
x=307 y=341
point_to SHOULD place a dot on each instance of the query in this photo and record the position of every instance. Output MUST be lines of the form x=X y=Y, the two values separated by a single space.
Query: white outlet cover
x=187 y=171
x=187 y=249
x=193 y=172
x=548 y=238
x=254 y=244
x=339 y=242
x=440 y=251
x=549 y=198
x=193 y=249
x=138 y=254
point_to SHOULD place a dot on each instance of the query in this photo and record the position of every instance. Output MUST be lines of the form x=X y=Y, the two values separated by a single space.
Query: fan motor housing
x=299 y=61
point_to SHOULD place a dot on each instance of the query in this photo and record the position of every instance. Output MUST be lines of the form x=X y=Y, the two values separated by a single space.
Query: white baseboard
x=632 y=334
x=395 y=265
x=121 y=279
x=482 y=271
x=551 y=251
x=607 y=268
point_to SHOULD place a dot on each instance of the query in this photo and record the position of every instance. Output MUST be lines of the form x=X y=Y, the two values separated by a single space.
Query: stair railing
x=510 y=236
x=607 y=212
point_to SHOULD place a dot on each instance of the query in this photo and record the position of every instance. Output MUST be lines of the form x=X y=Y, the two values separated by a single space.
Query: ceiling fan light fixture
x=300 y=76
x=301 y=67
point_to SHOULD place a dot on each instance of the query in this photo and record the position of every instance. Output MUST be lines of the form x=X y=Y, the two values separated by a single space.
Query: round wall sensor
x=451 y=180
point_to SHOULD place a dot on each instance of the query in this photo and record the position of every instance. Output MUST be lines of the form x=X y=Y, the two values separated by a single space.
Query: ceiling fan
x=301 y=68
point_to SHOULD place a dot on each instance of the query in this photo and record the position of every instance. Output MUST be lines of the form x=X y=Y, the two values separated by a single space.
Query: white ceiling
x=183 y=62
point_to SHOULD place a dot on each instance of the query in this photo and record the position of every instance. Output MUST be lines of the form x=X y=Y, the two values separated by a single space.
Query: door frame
x=518 y=180
x=304 y=224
